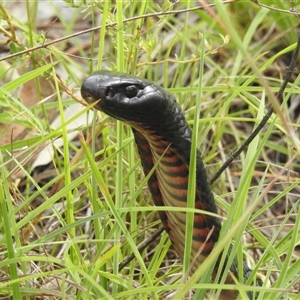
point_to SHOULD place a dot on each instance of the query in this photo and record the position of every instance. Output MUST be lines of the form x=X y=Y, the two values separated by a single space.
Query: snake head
x=125 y=97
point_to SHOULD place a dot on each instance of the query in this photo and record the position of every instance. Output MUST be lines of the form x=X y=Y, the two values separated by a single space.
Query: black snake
x=162 y=133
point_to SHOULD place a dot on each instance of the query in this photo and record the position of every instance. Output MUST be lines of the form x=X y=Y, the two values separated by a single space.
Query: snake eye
x=130 y=91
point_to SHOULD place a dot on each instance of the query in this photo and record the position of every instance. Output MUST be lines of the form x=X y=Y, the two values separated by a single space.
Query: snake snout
x=91 y=91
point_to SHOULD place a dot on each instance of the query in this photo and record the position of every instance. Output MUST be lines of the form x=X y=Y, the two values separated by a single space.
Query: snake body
x=162 y=135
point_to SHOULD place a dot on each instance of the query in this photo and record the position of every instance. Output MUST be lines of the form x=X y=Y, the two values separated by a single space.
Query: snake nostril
x=110 y=92
x=86 y=95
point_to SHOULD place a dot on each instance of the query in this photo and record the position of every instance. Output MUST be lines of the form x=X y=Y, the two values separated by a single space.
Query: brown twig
x=141 y=247
x=292 y=11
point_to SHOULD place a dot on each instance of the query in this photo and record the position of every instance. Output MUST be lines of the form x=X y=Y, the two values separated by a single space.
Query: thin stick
x=141 y=247
x=266 y=117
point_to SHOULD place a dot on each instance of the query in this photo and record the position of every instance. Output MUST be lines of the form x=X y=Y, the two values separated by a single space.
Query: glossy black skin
x=138 y=101
x=126 y=97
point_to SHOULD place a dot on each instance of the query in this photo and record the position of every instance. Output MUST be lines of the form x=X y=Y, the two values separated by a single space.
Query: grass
x=66 y=227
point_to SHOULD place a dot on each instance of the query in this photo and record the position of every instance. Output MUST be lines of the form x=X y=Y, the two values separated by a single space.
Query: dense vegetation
x=69 y=219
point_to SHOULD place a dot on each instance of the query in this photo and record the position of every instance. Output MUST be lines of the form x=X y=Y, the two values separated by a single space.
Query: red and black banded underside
x=168 y=185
